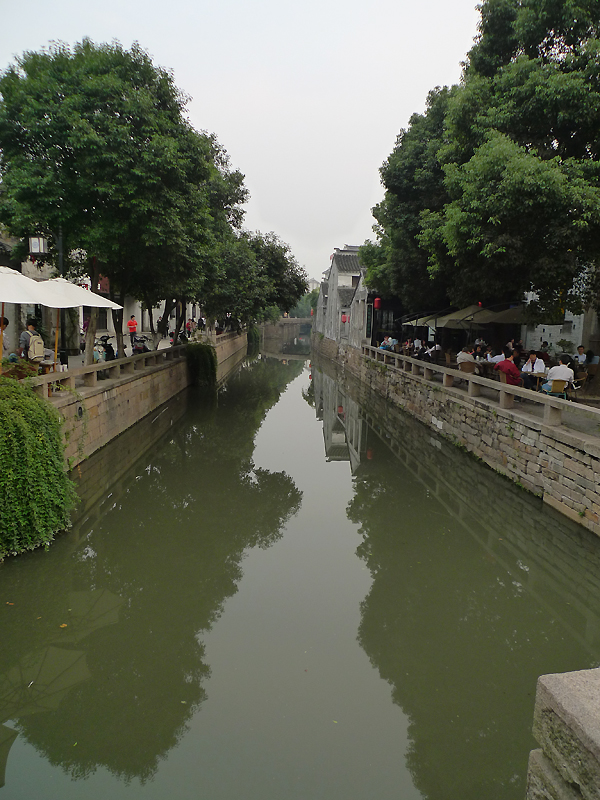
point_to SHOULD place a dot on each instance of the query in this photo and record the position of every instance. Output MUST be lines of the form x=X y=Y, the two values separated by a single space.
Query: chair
x=468 y=366
x=558 y=389
x=577 y=385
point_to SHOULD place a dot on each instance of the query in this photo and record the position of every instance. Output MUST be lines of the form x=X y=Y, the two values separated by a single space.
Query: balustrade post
x=506 y=400
x=552 y=415
x=90 y=378
x=474 y=389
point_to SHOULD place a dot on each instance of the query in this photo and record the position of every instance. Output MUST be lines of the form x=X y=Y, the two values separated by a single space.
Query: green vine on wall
x=202 y=364
x=36 y=492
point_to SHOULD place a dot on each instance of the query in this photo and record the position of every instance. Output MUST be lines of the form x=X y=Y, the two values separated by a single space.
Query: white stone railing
x=553 y=407
x=118 y=368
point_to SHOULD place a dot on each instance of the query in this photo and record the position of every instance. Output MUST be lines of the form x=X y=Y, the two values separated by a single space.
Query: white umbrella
x=16 y=288
x=59 y=293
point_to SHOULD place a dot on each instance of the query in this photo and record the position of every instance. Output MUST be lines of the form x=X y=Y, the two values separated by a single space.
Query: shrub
x=202 y=364
x=37 y=494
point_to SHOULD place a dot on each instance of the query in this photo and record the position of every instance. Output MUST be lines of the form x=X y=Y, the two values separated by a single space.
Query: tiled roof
x=346 y=293
x=347 y=262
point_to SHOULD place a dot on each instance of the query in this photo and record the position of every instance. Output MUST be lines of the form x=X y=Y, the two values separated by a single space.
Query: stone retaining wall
x=102 y=413
x=558 y=464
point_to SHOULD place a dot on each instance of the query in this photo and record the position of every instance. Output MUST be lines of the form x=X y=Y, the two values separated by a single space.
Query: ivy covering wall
x=202 y=363
x=36 y=494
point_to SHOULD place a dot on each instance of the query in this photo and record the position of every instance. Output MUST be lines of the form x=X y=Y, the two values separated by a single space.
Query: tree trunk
x=90 y=334
x=162 y=329
x=117 y=318
x=90 y=337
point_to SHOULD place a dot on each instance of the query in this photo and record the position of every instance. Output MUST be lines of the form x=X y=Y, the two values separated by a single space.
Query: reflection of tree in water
x=170 y=549
x=458 y=639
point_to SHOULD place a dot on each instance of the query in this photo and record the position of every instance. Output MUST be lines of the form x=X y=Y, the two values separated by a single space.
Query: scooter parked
x=109 y=350
x=139 y=344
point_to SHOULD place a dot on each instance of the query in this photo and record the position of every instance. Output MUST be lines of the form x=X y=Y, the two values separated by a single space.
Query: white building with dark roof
x=338 y=291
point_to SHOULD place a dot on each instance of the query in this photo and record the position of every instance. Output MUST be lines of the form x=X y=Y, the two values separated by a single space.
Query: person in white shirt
x=417 y=345
x=493 y=359
x=581 y=357
x=534 y=364
x=560 y=373
x=465 y=354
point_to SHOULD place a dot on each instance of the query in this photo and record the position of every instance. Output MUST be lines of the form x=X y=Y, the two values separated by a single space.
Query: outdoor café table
x=487 y=368
x=537 y=376
x=48 y=365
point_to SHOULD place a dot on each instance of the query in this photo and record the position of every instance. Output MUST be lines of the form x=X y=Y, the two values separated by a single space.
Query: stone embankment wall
x=98 y=415
x=558 y=464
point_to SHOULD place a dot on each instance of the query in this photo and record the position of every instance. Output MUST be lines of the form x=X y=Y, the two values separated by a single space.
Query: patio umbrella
x=457 y=319
x=16 y=288
x=59 y=293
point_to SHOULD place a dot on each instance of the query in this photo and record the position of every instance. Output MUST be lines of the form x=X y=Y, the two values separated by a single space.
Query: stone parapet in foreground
x=567 y=727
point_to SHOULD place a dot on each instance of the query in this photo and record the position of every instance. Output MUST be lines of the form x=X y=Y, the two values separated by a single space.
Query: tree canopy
x=494 y=191
x=95 y=146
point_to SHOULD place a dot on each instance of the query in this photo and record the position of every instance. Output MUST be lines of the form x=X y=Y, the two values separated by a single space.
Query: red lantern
x=369 y=453
x=344 y=318
x=312 y=311
x=340 y=409
x=377 y=303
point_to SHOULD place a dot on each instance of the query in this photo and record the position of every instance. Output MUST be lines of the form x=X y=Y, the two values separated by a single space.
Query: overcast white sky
x=307 y=96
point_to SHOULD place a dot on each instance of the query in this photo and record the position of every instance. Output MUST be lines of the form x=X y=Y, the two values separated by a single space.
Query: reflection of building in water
x=343 y=426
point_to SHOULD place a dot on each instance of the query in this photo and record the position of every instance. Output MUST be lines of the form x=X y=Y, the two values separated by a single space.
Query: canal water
x=288 y=592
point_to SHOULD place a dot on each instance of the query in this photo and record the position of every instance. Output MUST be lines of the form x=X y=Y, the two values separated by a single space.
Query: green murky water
x=293 y=593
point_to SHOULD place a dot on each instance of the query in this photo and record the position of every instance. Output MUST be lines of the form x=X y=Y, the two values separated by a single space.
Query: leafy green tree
x=515 y=155
x=95 y=146
x=286 y=280
x=306 y=304
x=412 y=175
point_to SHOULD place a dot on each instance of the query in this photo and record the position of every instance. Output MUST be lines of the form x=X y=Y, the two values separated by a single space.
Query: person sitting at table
x=509 y=368
x=479 y=352
x=492 y=357
x=417 y=344
x=433 y=348
x=533 y=366
x=466 y=354
x=385 y=345
x=562 y=372
x=581 y=357
x=535 y=363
